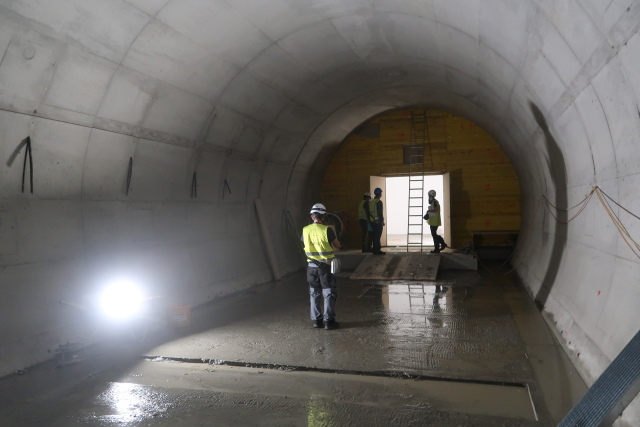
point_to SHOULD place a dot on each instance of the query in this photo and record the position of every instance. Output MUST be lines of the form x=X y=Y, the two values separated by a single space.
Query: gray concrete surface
x=470 y=349
x=254 y=98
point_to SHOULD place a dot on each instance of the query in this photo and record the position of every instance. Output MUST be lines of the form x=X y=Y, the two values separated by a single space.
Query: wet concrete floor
x=469 y=349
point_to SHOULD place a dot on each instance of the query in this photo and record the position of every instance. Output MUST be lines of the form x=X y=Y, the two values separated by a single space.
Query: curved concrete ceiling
x=255 y=97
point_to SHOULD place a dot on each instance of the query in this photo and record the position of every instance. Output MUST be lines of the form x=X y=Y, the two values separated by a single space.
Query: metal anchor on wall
x=27 y=142
x=225 y=186
x=129 y=175
x=194 y=186
x=24 y=143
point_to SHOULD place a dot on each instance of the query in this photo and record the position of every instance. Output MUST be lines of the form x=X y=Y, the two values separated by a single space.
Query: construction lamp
x=121 y=300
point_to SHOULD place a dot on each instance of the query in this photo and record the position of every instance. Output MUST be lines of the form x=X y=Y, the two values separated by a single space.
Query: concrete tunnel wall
x=258 y=96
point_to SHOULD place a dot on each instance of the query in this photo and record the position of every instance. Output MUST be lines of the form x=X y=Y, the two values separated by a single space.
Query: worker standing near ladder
x=433 y=219
x=319 y=242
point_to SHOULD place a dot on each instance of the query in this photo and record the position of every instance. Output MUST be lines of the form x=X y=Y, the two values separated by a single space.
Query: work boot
x=332 y=324
x=318 y=324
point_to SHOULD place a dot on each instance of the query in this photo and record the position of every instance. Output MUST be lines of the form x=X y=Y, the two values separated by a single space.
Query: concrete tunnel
x=124 y=102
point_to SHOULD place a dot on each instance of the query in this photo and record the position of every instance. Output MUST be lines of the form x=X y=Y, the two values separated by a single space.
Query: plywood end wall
x=485 y=192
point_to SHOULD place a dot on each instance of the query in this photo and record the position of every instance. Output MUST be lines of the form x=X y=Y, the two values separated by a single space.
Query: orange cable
x=621 y=229
x=624 y=233
x=584 y=203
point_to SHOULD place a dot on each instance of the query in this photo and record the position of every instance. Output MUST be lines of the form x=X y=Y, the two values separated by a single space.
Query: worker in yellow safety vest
x=433 y=219
x=319 y=243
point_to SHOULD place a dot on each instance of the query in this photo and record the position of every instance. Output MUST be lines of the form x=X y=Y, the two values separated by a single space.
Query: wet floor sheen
x=469 y=349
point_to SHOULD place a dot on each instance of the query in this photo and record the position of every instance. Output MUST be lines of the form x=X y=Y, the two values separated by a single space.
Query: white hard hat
x=367 y=194
x=318 y=208
x=432 y=193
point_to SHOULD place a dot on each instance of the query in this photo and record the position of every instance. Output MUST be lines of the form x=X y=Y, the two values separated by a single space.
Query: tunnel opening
x=400 y=217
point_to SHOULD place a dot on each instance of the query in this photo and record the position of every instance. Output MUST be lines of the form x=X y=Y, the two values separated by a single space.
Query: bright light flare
x=121 y=300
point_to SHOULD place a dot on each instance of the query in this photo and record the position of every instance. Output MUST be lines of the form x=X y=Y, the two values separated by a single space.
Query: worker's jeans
x=366 y=235
x=376 y=236
x=438 y=241
x=322 y=286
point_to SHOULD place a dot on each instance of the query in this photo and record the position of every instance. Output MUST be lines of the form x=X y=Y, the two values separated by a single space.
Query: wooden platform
x=398 y=266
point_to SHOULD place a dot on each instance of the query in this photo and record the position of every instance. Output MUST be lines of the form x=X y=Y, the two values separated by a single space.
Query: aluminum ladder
x=415 y=222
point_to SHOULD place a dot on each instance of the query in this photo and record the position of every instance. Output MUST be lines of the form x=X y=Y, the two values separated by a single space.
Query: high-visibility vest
x=316 y=243
x=373 y=209
x=362 y=213
x=434 y=216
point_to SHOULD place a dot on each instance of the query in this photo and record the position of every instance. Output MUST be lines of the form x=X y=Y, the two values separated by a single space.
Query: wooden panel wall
x=485 y=192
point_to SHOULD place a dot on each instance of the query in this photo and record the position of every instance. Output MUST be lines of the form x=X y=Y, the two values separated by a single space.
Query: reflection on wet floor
x=320 y=392
x=130 y=403
x=469 y=349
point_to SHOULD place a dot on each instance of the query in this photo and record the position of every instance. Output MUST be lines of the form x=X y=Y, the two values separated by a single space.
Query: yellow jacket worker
x=434 y=222
x=319 y=242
